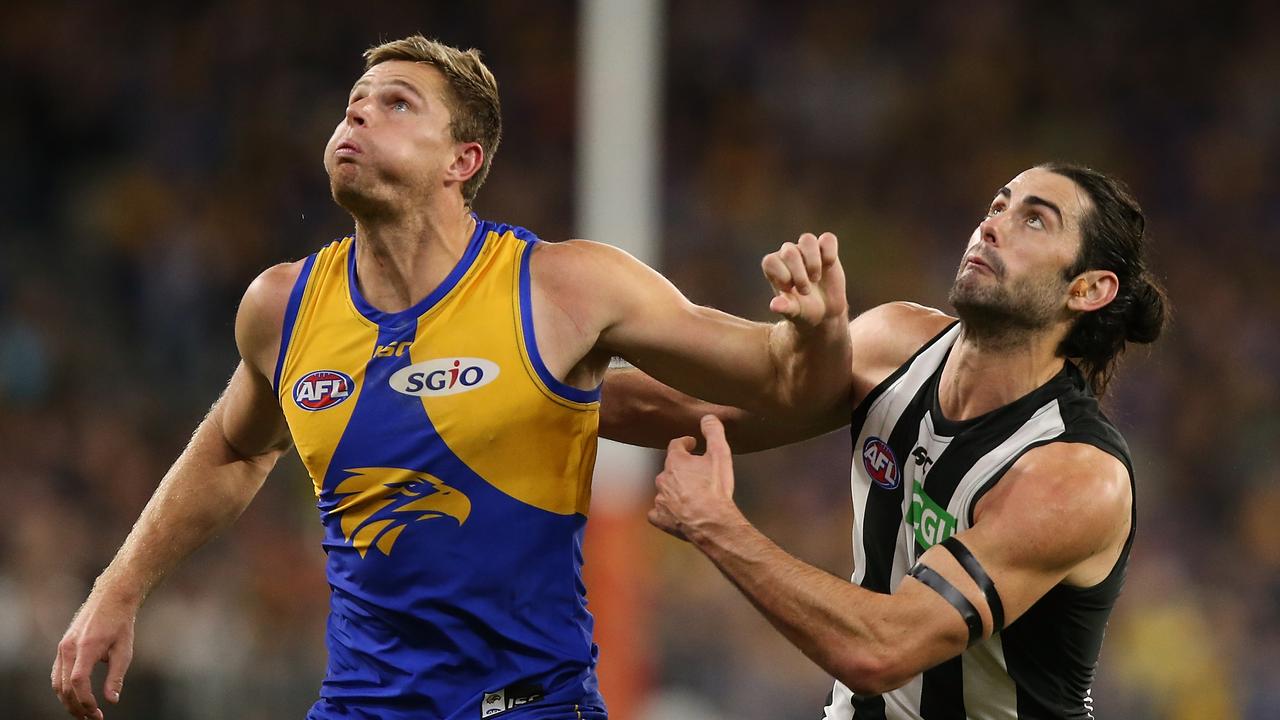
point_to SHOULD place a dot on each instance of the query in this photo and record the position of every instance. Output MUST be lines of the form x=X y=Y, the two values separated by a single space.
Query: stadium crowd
x=161 y=155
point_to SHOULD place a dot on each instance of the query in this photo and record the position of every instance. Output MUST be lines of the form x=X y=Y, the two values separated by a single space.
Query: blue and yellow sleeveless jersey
x=452 y=472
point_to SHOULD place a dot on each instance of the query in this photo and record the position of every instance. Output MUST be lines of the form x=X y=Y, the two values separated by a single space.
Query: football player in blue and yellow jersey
x=439 y=376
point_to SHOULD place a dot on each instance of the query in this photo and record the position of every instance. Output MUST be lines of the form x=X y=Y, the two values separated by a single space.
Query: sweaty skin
x=1060 y=515
x=394 y=164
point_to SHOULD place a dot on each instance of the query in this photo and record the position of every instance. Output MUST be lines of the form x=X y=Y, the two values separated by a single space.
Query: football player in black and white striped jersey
x=993 y=501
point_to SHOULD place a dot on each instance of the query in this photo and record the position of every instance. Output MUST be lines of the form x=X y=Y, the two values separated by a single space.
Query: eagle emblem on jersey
x=379 y=502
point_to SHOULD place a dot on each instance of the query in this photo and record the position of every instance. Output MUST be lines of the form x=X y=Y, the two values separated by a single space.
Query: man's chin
x=351 y=197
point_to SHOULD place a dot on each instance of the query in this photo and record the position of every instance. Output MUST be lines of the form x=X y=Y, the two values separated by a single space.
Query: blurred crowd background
x=159 y=155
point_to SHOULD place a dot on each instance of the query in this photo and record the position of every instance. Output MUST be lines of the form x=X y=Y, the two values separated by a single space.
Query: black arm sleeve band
x=939 y=584
x=980 y=576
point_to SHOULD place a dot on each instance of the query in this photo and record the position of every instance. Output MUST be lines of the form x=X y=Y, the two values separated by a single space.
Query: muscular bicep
x=617 y=306
x=248 y=414
x=1060 y=516
x=709 y=353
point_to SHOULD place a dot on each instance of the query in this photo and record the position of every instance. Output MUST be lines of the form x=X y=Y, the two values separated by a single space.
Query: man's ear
x=467 y=161
x=1092 y=290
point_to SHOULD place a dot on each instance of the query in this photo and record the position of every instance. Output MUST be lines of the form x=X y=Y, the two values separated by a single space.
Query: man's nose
x=358 y=113
x=990 y=229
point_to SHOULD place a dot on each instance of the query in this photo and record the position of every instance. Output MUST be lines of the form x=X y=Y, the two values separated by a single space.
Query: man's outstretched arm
x=210 y=484
x=638 y=410
x=1061 y=514
x=621 y=307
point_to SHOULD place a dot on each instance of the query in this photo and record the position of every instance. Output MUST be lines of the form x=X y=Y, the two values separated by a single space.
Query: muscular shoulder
x=260 y=317
x=578 y=263
x=593 y=282
x=886 y=336
x=1069 y=501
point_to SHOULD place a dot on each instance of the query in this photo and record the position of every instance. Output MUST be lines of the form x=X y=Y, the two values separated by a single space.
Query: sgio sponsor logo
x=322 y=389
x=444 y=376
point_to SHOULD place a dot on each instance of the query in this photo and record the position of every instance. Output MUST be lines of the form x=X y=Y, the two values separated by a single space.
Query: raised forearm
x=206 y=489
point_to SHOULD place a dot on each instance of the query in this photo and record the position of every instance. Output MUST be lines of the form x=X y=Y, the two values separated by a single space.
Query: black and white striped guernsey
x=916 y=479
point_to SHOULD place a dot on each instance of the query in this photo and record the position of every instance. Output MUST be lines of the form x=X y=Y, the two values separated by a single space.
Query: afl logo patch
x=444 y=376
x=322 y=389
x=880 y=464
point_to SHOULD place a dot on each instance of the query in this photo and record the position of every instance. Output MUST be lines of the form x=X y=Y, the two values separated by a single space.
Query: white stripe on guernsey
x=904 y=703
x=989 y=692
x=1046 y=423
x=841 y=707
x=935 y=445
x=883 y=414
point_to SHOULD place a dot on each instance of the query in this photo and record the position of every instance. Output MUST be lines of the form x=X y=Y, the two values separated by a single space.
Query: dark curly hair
x=1114 y=238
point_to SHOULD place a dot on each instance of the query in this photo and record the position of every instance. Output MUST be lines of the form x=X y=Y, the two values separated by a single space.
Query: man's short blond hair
x=473 y=94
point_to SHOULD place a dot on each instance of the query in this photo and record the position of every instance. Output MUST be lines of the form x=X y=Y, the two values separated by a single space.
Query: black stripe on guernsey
x=883 y=515
x=1051 y=651
x=942 y=689
x=939 y=584
x=942 y=686
x=980 y=576
x=869 y=708
x=884 y=507
x=981 y=435
x=881 y=522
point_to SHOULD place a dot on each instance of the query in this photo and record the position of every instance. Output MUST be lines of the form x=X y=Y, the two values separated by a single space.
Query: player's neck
x=981 y=376
x=400 y=259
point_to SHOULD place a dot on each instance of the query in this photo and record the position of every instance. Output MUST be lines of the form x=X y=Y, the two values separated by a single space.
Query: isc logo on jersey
x=322 y=389
x=880 y=464
x=444 y=376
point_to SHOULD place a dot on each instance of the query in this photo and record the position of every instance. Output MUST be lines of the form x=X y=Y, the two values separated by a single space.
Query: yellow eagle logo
x=381 y=501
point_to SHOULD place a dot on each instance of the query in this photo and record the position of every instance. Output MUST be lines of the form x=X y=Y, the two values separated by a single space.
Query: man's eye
x=400 y=106
x=1036 y=222
x=995 y=210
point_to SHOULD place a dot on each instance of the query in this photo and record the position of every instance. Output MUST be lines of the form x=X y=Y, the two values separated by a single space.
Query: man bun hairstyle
x=1113 y=236
x=474 y=110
